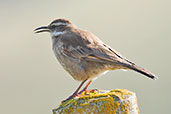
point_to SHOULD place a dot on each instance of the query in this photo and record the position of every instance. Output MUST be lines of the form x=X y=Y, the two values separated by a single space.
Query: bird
x=83 y=55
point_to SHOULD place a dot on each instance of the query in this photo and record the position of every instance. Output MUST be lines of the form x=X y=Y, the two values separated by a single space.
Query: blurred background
x=33 y=82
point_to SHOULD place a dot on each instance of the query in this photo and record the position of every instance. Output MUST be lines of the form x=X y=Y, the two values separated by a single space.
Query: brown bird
x=83 y=54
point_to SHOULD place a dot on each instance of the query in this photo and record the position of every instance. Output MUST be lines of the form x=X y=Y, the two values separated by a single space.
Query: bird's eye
x=53 y=26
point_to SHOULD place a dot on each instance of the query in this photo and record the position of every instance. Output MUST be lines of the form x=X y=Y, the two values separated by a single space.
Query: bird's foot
x=71 y=97
x=80 y=94
x=87 y=91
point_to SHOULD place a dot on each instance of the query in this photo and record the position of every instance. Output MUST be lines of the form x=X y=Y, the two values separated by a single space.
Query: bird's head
x=56 y=27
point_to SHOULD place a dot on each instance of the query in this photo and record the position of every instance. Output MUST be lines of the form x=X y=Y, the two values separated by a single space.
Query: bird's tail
x=134 y=67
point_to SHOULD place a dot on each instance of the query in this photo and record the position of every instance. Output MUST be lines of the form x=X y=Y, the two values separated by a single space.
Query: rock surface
x=118 y=101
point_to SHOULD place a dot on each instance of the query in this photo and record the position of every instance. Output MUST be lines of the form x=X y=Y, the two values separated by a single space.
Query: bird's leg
x=85 y=88
x=76 y=92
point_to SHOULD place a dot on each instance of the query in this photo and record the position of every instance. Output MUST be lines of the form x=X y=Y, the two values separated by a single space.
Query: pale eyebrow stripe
x=57 y=24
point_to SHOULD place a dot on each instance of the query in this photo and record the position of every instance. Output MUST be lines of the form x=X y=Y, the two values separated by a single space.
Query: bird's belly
x=84 y=70
x=80 y=69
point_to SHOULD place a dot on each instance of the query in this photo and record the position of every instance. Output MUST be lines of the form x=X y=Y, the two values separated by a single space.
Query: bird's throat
x=56 y=34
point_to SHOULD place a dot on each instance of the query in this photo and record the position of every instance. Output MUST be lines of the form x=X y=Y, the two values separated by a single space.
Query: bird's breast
x=79 y=69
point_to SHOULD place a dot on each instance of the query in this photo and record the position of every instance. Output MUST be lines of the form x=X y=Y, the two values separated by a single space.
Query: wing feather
x=87 y=46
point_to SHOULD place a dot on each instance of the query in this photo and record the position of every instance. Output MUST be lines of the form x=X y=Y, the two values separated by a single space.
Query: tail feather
x=143 y=71
x=136 y=68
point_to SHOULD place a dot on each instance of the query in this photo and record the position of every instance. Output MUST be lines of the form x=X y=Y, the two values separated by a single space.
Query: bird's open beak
x=42 y=29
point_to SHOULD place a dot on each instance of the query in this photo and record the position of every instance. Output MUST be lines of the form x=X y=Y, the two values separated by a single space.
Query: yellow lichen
x=98 y=101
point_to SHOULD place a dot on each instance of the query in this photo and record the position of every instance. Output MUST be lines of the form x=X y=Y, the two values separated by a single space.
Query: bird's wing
x=90 y=48
x=89 y=54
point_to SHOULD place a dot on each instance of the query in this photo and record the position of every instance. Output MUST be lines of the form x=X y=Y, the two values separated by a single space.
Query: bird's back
x=82 y=53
